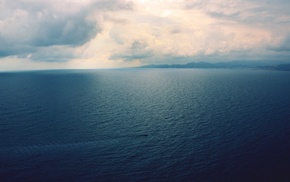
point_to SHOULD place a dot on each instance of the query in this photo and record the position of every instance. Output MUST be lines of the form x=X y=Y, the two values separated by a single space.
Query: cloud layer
x=116 y=33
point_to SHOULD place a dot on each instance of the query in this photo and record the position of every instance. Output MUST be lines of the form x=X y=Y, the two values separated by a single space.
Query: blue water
x=145 y=124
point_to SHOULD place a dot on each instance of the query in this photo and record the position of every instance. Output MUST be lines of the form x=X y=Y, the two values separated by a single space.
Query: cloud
x=100 y=33
x=170 y=31
x=137 y=51
x=283 y=46
x=28 y=26
x=71 y=30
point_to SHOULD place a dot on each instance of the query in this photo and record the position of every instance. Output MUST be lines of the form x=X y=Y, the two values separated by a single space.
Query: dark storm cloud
x=72 y=30
x=28 y=26
x=7 y=48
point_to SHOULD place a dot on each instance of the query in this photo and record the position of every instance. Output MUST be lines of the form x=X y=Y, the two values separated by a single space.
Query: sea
x=145 y=125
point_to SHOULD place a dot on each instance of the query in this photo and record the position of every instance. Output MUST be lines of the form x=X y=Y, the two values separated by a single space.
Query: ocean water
x=145 y=125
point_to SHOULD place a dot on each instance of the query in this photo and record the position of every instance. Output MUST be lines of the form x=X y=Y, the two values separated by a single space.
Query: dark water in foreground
x=154 y=125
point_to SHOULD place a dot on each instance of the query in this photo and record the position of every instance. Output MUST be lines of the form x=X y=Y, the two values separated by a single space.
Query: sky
x=77 y=34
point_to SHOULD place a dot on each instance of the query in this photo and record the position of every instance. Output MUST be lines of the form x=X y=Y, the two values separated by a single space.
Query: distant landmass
x=265 y=65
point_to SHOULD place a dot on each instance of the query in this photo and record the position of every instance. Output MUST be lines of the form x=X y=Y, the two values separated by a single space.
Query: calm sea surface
x=145 y=124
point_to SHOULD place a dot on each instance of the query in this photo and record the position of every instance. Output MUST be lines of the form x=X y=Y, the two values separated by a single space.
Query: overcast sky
x=46 y=34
